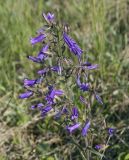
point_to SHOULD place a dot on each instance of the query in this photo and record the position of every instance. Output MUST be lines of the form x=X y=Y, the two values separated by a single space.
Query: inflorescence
x=56 y=70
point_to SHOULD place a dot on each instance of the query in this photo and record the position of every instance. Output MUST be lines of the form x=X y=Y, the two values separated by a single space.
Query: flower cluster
x=55 y=66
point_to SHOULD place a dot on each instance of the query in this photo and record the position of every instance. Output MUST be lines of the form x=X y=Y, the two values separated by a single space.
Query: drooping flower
x=74 y=113
x=85 y=129
x=72 y=45
x=26 y=95
x=29 y=82
x=37 y=39
x=73 y=127
x=49 y=17
x=83 y=86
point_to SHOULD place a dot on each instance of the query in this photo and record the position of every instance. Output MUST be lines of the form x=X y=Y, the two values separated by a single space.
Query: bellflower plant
x=63 y=83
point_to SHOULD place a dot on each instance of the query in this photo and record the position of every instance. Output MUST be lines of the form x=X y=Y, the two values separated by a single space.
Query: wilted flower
x=73 y=127
x=26 y=95
x=82 y=99
x=85 y=129
x=74 y=113
x=49 y=17
x=98 y=98
x=37 y=39
x=72 y=45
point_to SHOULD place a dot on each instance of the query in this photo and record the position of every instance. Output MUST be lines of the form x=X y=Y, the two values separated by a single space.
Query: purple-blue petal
x=98 y=146
x=111 y=131
x=45 y=110
x=86 y=64
x=49 y=17
x=29 y=82
x=98 y=98
x=34 y=59
x=73 y=127
x=84 y=86
x=26 y=95
x=59 y=92
x=82 y=99
x=85 y=129
x=72 y=45
x=39 y=105
x=74 y=113
x=94 y=66
x=37 y=39
x=43 y=71
x=45 y=48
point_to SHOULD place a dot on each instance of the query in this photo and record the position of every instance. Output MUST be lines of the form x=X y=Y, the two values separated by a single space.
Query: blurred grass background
x=101 y=27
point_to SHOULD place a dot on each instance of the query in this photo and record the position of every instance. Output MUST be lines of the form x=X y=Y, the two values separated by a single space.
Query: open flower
x=72 y=45
x=82 y=86
x=74 y=113
x=29 y=82
x=52 y=93
x=73 y=127
x=45 y=110
x=43 y=71
x=85 y=129
x=49 y=17
x=63 y=110
x=56 y=69
x=39 y=105
x=37 y=39
x=26 y=95
x=111 y=131
x=42 y=55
